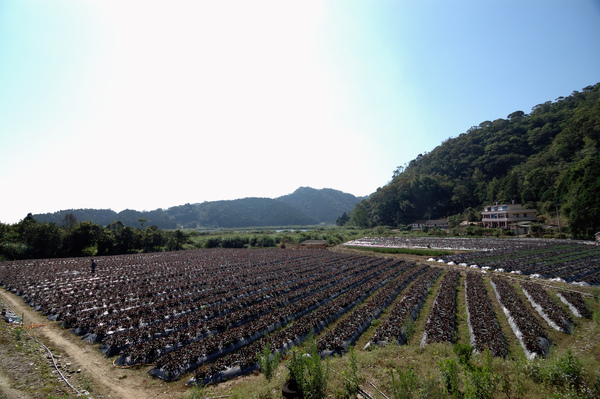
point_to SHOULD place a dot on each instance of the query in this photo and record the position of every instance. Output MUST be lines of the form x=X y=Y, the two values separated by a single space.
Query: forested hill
x=306 y=206
x=546 y=159
x=326 y=205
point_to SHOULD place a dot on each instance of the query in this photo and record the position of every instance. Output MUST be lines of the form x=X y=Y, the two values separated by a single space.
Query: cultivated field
x=575 y=262
x=205 y=315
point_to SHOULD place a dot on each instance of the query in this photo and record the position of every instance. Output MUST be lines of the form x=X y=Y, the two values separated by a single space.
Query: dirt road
x=108 y=381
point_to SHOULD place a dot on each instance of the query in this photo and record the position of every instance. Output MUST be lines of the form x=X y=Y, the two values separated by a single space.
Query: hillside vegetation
x=325 y=205
x=548 y=159
x=305 y=206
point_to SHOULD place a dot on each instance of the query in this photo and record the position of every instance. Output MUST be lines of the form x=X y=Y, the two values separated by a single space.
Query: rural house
x=511 y=216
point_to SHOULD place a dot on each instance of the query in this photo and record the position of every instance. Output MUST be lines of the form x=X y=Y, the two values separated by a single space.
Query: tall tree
x=69 y=222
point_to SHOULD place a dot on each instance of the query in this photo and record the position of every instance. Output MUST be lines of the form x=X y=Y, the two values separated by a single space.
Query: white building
x=511 y=216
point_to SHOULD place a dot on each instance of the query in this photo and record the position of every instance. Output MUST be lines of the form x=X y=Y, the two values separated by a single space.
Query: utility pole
x=558 y=217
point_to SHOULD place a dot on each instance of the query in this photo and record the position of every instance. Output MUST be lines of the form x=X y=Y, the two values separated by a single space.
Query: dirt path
x=108 y=381
x=6 y=390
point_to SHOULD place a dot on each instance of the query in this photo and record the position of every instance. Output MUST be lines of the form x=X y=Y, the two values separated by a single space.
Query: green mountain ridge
x=548 y=159
x=326 y=204
x=305 y=206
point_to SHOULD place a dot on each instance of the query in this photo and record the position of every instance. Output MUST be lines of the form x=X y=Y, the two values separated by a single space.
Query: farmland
x=575 y=262
x=203 y=316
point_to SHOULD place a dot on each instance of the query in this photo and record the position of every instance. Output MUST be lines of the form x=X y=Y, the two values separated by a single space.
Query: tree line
x=548 y=159
x=32 y=239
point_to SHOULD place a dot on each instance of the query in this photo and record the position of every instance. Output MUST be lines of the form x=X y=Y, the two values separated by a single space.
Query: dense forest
x=305 y=206
x=548 y=159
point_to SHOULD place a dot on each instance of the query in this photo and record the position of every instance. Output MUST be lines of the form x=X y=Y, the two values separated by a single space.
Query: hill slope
x=245 y=212
x=326 y=205
x=551 y=156
x=305 y=206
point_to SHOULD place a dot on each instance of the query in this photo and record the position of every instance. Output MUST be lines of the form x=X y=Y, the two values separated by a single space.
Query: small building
x=466 y=223
x=508 y=216
x=314 y=244
x=439 y=223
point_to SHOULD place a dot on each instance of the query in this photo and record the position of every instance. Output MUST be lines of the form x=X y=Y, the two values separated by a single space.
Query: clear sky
x=151 y=104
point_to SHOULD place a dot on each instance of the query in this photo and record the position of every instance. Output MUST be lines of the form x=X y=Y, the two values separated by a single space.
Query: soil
x=27 y=369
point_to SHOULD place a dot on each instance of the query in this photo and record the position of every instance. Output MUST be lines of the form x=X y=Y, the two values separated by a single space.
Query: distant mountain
x=325 y=205
x=306 y=206
x=104 y=217
x=245 y=212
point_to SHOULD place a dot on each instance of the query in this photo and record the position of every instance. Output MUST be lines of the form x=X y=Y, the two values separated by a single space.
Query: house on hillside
x=508 y=216
x=439 y=223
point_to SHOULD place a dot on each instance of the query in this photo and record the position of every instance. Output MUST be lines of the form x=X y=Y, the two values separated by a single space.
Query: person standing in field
x=93 y=266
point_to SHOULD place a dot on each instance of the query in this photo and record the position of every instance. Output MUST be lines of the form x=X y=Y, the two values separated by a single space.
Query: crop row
x=207 y=344
x=205 y=319
x=453 y=243
x=440 y=325
x=213 y=311
x=131 y=285
x=349 y=329
x=529 y=332
x=203 y=352
x=405 y=312
x=576 y=303
x=572 y=261
x=483 y=326
x=149 y=305
x=554 y=315
x=244 y=360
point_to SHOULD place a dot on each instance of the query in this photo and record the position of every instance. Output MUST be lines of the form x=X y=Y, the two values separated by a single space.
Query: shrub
x=464 y=353
x=512 y=381
x=268 y=364
x=351 y=376
x=308 y=373
x=196 y=392
x=234 y=242
x=405 y=387
x=90 y=251
x=595 y=291
x=409 y=328
x=481 y=382
x=449 y=373
x=19 y=333
x=213 y=242
x=566 y=372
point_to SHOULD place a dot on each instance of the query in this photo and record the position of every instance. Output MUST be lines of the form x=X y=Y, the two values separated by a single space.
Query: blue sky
x=147 y=104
